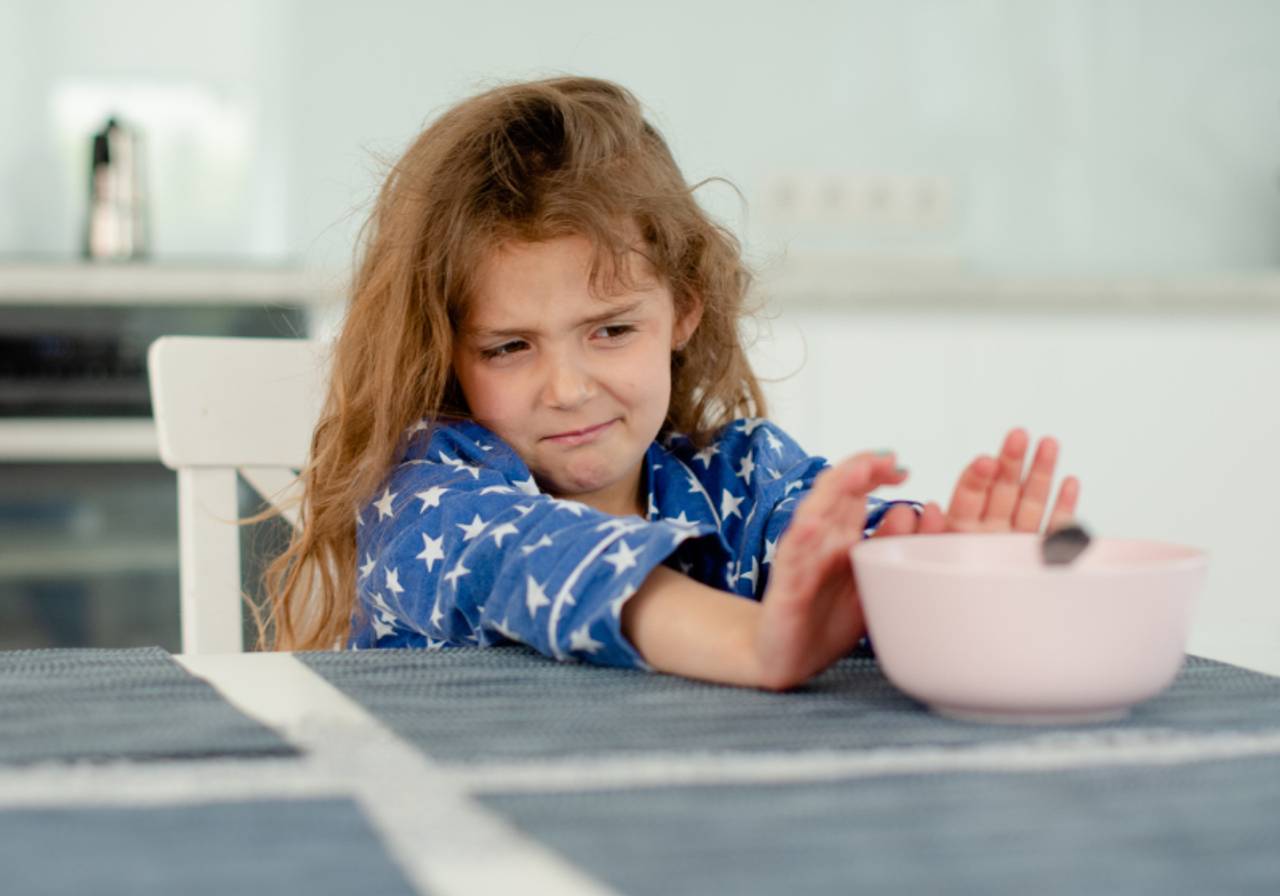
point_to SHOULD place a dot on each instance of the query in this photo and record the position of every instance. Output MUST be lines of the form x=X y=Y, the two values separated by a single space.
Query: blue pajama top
x=462 y=548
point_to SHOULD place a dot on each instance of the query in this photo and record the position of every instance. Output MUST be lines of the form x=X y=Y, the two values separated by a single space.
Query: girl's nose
x=568 y=382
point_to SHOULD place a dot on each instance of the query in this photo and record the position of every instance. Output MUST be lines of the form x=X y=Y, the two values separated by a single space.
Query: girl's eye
x=616 y=331
x=611 y=332
x=507 y=348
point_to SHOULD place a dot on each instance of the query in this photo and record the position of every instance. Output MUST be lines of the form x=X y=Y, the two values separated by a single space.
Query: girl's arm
x=686 y=628
x=809 y=617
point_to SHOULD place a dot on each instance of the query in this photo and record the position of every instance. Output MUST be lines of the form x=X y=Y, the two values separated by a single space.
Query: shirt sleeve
x=455 y=552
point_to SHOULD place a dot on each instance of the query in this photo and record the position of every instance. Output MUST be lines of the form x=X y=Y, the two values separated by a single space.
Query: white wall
x=1099 y=136
x=1169 y=423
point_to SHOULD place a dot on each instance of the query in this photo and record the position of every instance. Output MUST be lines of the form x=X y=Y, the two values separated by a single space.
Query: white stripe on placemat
x=1057 y=751
x=445 y=842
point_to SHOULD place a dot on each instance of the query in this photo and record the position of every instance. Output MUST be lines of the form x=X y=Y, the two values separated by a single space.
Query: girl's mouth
x=581 y=436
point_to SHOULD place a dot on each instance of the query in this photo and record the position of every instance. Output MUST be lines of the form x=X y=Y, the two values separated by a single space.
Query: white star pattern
x=456 y=573
x=432 y=550
x=706 y=454
x=503 y=530
x=497 y=490
x=534 y=597
x=367 y=567
x=384 y=503
x=750 y=576
x=543 y=542
x=746 y=468
x=528 y=486
x=473 y=528
x=575 y=507
x=749 y=426
x=383 y=627
x=417 y=428
x=682 y=521
x=524 y=508
x=359 y=520
x=436 y=616
x=431 y=497
x=622 y=559
x=687 y=528
x=729 y=503
x=773 y=441
x=791 y=486
x=581 y=640
x=393 y=581
x=460 y=465
x=770 y=547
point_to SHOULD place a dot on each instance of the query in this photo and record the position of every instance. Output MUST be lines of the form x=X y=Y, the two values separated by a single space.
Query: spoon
x=1064 y=545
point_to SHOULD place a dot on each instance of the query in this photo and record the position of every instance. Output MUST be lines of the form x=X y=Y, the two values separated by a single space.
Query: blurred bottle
x=117 y=220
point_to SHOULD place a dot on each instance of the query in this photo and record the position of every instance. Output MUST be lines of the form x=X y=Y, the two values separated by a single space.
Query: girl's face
x=578 y=385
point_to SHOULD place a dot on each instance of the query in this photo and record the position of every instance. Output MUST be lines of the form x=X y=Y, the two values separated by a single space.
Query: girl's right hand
x=810 y=613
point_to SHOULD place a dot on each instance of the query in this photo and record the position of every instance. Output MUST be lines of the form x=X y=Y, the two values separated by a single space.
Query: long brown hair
x=528 y=162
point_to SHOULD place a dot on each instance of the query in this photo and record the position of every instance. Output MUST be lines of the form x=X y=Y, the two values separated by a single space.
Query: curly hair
x=528 y=161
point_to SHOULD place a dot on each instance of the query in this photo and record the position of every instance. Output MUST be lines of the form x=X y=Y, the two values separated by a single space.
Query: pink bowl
x=977 y=627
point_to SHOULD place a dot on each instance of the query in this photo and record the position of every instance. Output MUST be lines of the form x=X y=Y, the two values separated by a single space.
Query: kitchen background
x=965 y=216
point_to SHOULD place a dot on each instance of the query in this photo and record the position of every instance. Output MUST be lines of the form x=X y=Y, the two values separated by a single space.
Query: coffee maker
x=116 y=226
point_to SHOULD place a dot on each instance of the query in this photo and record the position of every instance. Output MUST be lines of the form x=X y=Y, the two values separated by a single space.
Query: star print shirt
x=462 y=548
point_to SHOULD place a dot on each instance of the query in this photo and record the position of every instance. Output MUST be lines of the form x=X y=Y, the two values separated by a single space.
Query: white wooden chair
x=224 y=406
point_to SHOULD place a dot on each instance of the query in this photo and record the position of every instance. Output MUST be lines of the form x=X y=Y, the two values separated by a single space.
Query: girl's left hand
x=992 y=496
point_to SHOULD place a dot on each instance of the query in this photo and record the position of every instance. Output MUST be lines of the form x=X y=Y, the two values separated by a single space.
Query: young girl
x=542 y=426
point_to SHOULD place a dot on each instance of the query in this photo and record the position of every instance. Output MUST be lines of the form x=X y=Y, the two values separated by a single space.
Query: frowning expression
x=577 y=383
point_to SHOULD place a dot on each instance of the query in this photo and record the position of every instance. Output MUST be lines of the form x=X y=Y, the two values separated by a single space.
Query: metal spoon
x=1064 y=545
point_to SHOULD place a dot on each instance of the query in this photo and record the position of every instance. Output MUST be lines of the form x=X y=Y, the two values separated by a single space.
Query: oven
x=88 y=514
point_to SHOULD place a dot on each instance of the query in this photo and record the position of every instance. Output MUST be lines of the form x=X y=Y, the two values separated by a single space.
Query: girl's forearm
x=687 y=628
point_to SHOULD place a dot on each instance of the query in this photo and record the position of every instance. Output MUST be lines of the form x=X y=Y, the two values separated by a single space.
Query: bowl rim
x=867 y=552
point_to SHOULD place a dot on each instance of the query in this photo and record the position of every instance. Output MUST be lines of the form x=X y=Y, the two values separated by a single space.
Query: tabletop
x=497 y=770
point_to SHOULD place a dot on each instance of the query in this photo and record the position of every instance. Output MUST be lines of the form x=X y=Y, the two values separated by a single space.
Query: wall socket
x=871 y=202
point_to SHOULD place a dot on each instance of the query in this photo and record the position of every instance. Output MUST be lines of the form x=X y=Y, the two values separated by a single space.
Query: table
x=495 y=770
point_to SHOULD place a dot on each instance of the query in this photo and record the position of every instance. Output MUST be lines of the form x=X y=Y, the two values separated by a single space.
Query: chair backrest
x=224 y=406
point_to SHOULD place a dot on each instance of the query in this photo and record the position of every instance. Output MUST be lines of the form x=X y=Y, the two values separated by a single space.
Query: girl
x=542 y=426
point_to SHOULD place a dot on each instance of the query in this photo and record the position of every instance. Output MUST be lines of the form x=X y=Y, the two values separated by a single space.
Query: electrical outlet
x=865 y=202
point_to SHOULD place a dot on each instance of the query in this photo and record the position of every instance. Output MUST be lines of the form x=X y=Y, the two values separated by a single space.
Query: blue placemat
x=308 y=847
x=68 y=704
x=509 y=703
x=1196 y=829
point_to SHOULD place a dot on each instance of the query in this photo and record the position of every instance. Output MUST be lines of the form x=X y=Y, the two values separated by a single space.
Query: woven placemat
x=102 y=704
x=311 y=847
x=1195 y=828
x=510 y=703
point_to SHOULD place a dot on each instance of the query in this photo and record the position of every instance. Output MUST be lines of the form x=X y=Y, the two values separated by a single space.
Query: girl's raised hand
x=992 y=496
x=810 y=613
